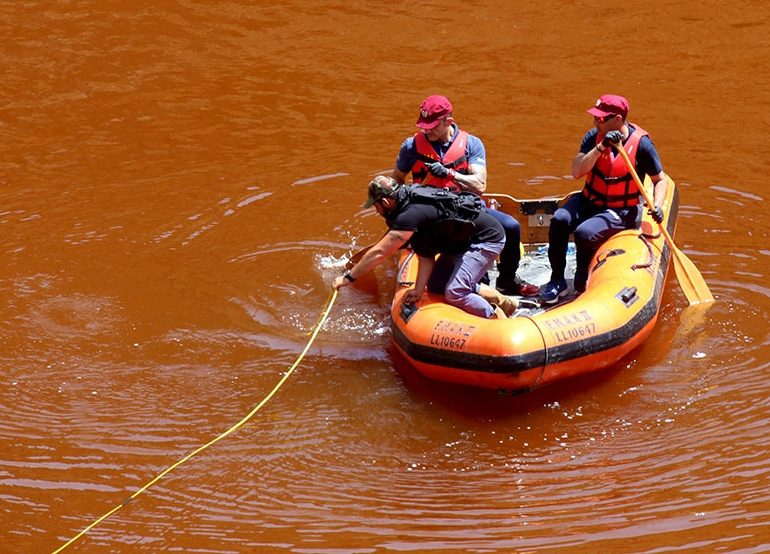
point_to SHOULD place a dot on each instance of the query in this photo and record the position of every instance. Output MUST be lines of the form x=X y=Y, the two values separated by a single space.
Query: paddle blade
x=690 y=279
x=693 y=285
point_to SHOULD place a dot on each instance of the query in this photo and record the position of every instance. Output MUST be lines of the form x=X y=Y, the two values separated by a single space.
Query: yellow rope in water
x=324 y=315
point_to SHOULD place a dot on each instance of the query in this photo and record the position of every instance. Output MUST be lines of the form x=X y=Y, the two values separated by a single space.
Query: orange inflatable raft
x=615 y=314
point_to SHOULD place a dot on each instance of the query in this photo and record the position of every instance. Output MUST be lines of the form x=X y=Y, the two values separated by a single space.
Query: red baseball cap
x=610 y=104
x=432 y=109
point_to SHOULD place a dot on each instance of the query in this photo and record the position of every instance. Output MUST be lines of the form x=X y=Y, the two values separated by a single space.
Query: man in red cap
x=609 y=202
x=442 y=155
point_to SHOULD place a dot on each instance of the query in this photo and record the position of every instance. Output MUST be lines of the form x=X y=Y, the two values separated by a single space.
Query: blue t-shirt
x=647 y=159
x=474 y=151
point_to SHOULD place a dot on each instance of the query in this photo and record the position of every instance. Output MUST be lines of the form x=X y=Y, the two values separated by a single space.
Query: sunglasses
x=606 y=118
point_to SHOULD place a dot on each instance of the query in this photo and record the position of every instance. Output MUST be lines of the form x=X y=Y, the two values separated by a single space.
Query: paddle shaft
x=692 y=282
x=646 y=195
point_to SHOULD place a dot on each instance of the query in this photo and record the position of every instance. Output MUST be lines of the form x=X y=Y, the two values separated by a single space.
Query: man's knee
x=591 y=237
x=511 y=225
x=559 y=229
x=455 y=292
x=561 y=219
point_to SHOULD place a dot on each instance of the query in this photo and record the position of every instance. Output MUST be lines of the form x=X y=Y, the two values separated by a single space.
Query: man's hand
x=339 y=282
x=437 y=169
x=412 y=296
x=656 y=214
x=612 y=138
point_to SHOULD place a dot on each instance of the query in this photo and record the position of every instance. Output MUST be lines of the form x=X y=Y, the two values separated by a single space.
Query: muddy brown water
x=180 y=182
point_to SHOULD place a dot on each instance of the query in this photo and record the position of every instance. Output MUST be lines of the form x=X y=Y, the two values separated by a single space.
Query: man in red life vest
x=609 y=202
x=442 y=155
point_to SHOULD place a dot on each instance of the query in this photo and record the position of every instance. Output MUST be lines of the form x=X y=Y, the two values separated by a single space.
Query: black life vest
x=451 y=233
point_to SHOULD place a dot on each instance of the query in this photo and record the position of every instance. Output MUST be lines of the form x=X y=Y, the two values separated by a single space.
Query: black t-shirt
x=429 y=239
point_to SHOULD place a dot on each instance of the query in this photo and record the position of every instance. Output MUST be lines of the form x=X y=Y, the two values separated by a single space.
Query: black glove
x=656 y=213
x=612 y=137
x=438 y=170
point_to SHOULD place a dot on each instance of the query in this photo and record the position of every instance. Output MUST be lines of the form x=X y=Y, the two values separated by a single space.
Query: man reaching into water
x=466 y=244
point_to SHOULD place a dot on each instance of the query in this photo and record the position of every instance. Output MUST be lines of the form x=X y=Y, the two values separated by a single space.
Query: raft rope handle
x=646 y=240
x=602 y=257
x=313 y=334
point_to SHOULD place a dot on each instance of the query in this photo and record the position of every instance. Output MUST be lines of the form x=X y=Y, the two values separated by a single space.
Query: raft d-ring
x=628 y=296
x=407 y=311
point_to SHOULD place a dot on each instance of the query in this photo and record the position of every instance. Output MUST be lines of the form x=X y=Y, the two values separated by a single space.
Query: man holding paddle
x=442 y=155
x=609 y=201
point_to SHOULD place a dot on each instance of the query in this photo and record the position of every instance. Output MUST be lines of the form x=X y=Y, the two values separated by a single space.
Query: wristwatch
x=349 y=276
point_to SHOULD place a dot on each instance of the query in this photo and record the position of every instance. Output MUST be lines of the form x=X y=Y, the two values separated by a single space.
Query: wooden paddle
x=690 y=279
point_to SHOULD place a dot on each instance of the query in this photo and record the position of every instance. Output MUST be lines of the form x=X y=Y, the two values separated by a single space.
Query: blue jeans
x=457 y=277
x=592 y=226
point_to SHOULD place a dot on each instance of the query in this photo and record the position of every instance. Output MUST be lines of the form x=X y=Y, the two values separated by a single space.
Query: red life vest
x=609 y=183
x=454 y=158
